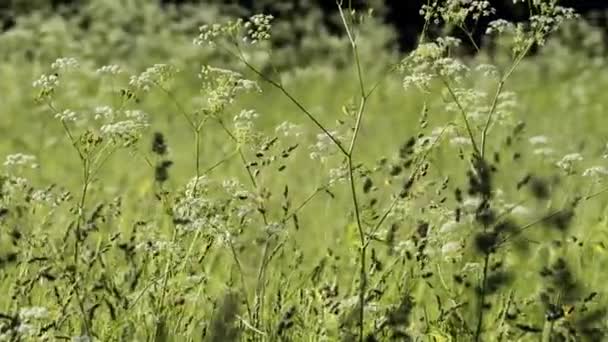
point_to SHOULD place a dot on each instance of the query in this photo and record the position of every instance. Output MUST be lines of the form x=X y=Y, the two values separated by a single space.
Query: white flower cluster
x=67 y=116
x=244 y=129
x=46 y=82
x=154 y=75
x=474 y=103
x=567 y=162
x=221 y=86
x=324 y=146
x=456 y=12
x=208 y=34
x=596 y=172
x=197 y=186
x=288 y=129
x=429 y=61
x=20 y=159
x=104 y=113
x=111 y=69
x=246 y=115
x=538 y=140
x=121 y=128
x=500 y=26
x=488 y=70
x=258 y=28
x=65 y=63
x=338 y=175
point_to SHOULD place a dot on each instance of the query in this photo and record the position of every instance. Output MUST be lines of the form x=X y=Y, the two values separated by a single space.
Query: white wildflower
x=103 y=112
x=499 y=26
x=288 y=129
x=246 y=115
x=544 y=151
x=20 y=159
x=338 y=175
x=567 y=161
x=460 y=141
x=538 y=140
x=67 y=116
x=46 y=82
x=65 y=63
x=595 y=172
x=111 y=69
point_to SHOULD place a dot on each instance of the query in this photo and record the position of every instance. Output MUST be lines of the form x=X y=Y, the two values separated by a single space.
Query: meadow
x=172 y=175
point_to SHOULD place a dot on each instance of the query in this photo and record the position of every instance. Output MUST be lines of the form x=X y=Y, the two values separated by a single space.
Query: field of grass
x=175 y=201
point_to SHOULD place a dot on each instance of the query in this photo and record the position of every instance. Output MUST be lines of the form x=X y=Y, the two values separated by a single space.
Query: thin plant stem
x=463 y=114
x=349 y=155
x=482 y=298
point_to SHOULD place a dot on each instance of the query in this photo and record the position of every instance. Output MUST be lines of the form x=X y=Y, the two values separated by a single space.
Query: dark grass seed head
x=486 y=242
x=159 y=145
x=539 y=188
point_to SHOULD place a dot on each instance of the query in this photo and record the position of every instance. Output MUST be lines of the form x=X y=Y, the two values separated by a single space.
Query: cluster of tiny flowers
x=231 y=185
x=195 y=213
x=220 y=86
x=338 y=175
x=288 y=129
x=460 y=141
x=50 y=198
x=103 y=113
x=126 y=132
x=67 y=116
x=567 y=162
x=258 y=28
x=20 y=159
x=500 y=26
x=472 y=101
x=154 y=75
x=15 y=187
x=137 y=115
x=46 y=82
x=324 y=146
x=111 y=69
x=209 y=34
x=544 y=151
x=487 y=70
x=244 y=128
x=596 y=172
x=456 y=12
x=538 y=140
x=197 y=186
x=66 y=63
x=550 y=18
x=246 y=115
x=428 y=61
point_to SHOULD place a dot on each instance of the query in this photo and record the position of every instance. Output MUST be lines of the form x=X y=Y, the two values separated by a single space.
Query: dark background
x=401 y=14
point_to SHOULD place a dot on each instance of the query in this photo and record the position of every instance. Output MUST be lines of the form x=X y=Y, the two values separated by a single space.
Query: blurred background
x=400 y=16
x=308 y=47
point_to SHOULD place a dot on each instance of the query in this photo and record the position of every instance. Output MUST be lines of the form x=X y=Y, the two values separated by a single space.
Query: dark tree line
x=401 y=14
